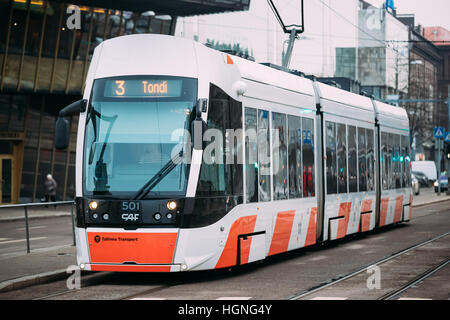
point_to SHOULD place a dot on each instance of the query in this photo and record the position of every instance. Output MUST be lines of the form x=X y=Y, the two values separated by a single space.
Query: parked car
x=415 y=185
x=427 y=167
x=422 y=177
x=444 y=183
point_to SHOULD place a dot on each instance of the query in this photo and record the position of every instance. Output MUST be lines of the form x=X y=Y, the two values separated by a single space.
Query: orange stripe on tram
x=365 y=218
x=344 y=211
x=282 y=232
x=119 y=247
x=398 y=209
x=241 y=226
x=383 y=211
x=311 y=235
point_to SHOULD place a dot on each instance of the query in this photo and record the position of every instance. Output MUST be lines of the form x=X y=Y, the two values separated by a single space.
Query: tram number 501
x=131 y=206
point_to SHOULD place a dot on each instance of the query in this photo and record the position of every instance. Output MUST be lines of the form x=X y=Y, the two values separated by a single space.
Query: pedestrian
x=50 y=189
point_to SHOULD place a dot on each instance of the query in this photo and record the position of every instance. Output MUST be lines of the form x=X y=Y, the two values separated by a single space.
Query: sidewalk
x=13 y=214
x=43 y=265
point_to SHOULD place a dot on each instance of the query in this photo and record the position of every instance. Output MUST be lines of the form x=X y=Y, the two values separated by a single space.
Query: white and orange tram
x=192 y=159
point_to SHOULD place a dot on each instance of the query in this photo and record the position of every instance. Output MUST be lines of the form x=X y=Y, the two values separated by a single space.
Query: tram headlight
x=157 y=216
x=105 y=217
x=93 y=205
x=171 y=205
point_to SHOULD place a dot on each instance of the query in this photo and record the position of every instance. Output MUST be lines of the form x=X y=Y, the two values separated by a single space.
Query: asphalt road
x=278 y=277
x=45 y=233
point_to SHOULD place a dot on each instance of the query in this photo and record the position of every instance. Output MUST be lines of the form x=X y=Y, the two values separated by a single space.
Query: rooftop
x=438 y=35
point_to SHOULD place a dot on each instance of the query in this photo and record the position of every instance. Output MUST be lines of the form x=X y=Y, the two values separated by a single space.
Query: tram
x=190 y=158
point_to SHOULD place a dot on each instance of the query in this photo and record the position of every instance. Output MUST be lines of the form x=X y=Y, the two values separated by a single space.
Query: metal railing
x=25 y=207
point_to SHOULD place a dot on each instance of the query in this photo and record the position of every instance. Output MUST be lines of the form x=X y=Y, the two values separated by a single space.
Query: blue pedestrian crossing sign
x=439 y=132
x=447 y=136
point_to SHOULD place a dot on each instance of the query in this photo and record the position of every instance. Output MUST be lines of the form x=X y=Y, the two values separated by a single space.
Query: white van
x=427 y=167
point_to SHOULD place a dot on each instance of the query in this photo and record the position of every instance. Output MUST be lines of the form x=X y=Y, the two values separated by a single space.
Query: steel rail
x=391 y=295
x=354 y=273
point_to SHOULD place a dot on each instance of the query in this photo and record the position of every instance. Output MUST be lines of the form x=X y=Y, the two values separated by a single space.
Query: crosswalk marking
x=234 y=298
x=21 y=240
x=329 y=298
x=37 y=227
x=221 y=298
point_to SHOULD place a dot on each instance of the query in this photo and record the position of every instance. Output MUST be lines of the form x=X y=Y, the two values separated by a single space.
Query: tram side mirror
x=62 y=134
x=198 y=126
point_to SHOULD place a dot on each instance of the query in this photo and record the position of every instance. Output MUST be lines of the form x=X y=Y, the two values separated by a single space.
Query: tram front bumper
x=150 y=250
x=132 y=267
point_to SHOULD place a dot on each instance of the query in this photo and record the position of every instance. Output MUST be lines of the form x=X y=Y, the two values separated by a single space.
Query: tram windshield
x=134 y=127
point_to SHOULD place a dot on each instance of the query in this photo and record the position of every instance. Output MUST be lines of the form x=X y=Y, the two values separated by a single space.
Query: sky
x=428 y=13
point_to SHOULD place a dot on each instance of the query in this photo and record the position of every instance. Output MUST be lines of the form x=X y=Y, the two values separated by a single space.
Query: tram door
x=6 y=170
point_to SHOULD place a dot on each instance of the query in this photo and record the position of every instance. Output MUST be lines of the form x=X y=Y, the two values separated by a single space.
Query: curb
x=41 y=216
x=428 y=203
x=27 y=281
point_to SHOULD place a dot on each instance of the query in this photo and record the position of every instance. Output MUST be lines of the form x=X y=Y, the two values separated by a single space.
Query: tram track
x=410 y=284
x=122 y=286
x=391 y=294
x=105 y=279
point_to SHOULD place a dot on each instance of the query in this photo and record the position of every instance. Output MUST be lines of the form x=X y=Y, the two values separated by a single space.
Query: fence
x=26 y=206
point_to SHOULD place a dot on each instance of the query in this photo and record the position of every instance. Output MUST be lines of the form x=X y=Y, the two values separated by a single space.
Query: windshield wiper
x=101 y=173
x=161 y=174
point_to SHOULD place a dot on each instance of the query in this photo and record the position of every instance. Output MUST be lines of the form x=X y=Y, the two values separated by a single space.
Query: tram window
x=341 y=157
x=352 y=166
x=295 y=157
x=403 y=160
x=362 y=160
x=251 y=155
x=279 y=156
x=406 y=162
x=396 y=162
x=219 y=177
x=384 y=160
x=370 y=161
x=390 y=152
x=331 y=158
x=264 y=155
x=389 y=144
x=308 y=157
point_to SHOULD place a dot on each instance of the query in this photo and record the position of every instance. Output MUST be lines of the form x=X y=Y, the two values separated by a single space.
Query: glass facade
x=43 y=66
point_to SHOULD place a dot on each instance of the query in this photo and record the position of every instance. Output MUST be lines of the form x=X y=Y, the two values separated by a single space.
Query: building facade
x=379 y=61
x=440 y=37
x=43 y=65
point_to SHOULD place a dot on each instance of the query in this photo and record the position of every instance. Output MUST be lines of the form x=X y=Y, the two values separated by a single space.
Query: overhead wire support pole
x=287 y=57
x=296 y=29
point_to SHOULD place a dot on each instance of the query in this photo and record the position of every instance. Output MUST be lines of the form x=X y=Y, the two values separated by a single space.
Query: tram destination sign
x=143 y=88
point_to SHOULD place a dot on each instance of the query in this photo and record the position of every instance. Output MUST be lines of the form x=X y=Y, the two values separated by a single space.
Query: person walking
x=50 y=189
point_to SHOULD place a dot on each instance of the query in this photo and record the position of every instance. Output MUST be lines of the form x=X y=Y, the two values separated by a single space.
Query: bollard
x=26 y=229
